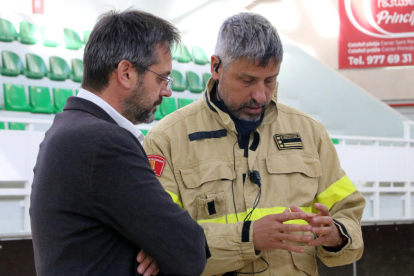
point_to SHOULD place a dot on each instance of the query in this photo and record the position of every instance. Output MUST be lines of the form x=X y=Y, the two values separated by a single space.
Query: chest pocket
x=293 y=177
x=206 y=183
x=293 y=163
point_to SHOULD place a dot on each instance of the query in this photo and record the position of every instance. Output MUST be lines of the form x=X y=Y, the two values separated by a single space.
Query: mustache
x=159 y=101
x=253 y=104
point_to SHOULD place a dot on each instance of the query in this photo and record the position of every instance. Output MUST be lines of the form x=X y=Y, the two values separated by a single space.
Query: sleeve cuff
x=345 y=236
x=247 y=247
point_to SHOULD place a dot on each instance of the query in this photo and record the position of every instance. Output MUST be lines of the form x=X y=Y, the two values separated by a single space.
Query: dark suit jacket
x=96 y=202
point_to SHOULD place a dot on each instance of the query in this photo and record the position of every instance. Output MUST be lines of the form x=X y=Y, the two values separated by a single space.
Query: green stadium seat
x=144 y=131
x=72 y=39
x=206 y=77
x=184 y=102
x=175 y=51
x=40 y=100
x=48 y=40
x=35 y=67
x=199 y=56
x=178 y=84
x=168 y=106
x=17 y=126
x=77 y=70
x=193 y=82
x=12 y=64
x=60 y=96
x=158 y=114
x=1 y=123
x=77 y=91
x=59 y=69
x=335 y=141
x=15 y=98
x=28 y=33
x=86 y=35
x=182 y=55
x=7 y=31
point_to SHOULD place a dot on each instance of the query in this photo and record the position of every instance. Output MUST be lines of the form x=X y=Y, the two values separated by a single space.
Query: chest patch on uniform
x=157 y=163
x=288 y=141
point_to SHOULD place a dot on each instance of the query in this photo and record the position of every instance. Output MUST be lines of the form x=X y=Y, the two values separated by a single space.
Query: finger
x=322 y=208
x=295 y=228
x=141 y=256
x=150 y=270
x=295 y=238
x=286 y=211
x=321 y=220
x=319 y=241
x=289 y=247
x=156 y=271
x=144 y=264
x=321 y=230
x=290 y=216
x=295 y=208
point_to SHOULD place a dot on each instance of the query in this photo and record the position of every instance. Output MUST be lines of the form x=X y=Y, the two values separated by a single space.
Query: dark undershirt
x=243 y=127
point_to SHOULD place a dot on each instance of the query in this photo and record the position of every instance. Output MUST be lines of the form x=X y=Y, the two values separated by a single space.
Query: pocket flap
x=205 y=172
x=293 y=163
x=305 y=262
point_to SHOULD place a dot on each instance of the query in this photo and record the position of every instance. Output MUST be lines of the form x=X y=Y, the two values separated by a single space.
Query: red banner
x=376 y=33
x=38 y=6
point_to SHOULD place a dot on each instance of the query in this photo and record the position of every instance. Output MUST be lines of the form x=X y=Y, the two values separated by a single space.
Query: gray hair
x=129 y=35
x=248 y=35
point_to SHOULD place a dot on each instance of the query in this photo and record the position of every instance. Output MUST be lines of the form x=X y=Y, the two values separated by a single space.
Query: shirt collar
x=118 y=118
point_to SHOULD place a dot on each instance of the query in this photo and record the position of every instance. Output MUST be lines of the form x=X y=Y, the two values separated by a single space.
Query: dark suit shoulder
x=76 y=125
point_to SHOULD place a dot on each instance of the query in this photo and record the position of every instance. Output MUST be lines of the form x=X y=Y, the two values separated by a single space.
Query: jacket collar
x=224 y=119
x=76 y=103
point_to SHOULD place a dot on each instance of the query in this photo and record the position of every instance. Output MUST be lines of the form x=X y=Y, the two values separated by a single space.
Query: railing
x=381 y=168
x=31 y=140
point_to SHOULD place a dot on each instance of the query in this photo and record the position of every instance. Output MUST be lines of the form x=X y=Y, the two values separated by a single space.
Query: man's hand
x=324 y=227
x=268 y=232
x=147 y=265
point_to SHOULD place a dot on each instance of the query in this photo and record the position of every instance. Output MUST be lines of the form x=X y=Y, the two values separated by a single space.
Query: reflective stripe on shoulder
x=335 y=193
x=175 y=198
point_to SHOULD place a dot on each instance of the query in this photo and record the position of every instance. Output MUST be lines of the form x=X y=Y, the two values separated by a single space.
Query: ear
x=215 y=61
x=126 y=74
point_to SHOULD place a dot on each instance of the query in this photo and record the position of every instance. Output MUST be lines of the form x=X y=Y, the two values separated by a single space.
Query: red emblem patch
x=157 y=163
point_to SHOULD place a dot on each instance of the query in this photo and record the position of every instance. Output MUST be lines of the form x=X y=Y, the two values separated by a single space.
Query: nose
x=165 y=93
x=259 y=93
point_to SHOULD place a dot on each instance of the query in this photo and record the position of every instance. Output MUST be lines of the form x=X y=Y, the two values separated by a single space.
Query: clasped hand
x=269 y=232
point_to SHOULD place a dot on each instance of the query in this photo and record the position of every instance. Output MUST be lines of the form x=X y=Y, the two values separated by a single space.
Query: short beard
x=237 y=112
x=136 y=108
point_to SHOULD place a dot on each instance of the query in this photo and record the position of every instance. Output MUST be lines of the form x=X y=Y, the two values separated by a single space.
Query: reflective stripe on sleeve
x=335 y=193
x=175 y=198
x=258 y=213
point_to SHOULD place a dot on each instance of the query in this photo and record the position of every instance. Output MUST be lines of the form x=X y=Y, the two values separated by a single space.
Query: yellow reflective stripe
x=335 y=193
x=175 y=198
x=258 y=213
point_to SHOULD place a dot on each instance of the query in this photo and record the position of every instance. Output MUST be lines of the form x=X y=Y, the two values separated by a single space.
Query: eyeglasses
x=169 y=80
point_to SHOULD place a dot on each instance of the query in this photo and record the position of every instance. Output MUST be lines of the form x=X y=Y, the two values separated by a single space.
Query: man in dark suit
x=96 y=201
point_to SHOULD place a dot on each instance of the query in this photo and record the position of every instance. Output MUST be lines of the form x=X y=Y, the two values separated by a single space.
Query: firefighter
x=245 y=166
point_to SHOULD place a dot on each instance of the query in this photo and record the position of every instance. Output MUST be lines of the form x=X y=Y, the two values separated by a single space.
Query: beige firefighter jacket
x=191 y=151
